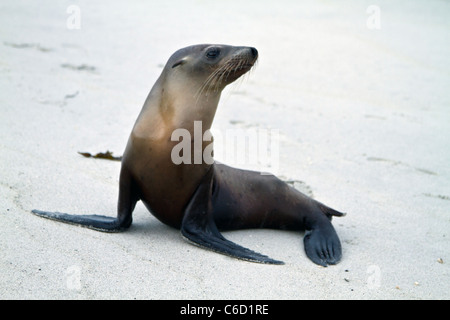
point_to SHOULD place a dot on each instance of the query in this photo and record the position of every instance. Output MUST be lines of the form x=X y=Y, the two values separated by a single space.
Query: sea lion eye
x=213 y=53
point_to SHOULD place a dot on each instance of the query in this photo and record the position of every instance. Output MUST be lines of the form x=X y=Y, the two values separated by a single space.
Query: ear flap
x=179 y=63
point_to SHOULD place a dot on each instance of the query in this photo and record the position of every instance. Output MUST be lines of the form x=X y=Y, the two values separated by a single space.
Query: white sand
x=364 y=121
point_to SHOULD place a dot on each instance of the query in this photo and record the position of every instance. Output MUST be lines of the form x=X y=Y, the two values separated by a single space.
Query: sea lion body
x=202 y=197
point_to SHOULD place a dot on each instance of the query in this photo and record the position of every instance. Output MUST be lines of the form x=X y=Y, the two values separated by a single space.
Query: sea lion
x=202 y=198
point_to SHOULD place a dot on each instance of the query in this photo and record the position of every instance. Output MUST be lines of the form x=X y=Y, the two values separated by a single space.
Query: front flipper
x=127 y=201
x=96 y=222
x=199 y=227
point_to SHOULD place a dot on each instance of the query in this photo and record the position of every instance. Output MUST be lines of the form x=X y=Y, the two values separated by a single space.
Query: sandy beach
x=358 y=91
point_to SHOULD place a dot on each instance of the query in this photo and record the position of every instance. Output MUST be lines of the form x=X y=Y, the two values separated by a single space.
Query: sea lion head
x=209 y=68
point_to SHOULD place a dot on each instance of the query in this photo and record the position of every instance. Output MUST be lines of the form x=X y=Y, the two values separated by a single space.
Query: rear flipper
x=96 y=222
x=199 y=227
x=322 y=245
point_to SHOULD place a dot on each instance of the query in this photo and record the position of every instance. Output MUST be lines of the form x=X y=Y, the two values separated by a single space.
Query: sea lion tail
x=96 y=222
x=329 y=212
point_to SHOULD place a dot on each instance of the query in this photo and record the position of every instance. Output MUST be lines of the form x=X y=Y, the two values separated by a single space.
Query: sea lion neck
x=170 y=107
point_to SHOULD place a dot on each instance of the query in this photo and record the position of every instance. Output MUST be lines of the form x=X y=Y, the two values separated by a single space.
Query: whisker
x=221 y=75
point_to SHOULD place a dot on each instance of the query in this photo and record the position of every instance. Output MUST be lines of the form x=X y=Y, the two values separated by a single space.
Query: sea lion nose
x=254 y=52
